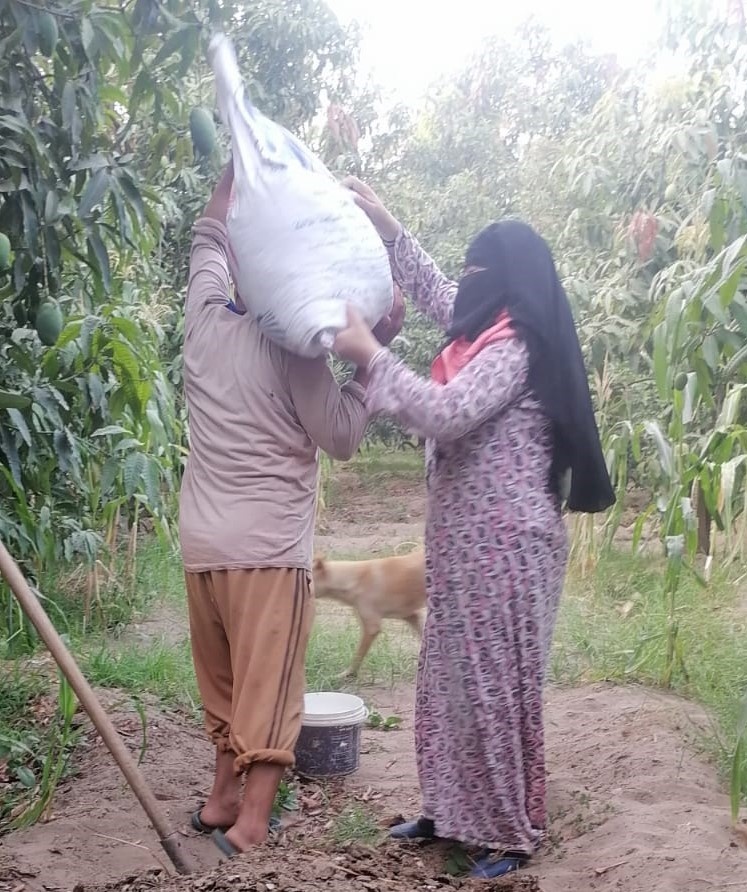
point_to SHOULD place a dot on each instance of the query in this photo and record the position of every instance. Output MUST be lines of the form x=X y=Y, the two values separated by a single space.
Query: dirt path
x=632 y=807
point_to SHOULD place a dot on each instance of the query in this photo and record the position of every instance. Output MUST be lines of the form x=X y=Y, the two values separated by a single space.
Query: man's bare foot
x=245 y=836
x=224 y=802
x=252 y=825
x=220 y=813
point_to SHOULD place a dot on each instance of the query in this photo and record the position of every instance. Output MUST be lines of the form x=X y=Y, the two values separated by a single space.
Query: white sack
x=300 y=248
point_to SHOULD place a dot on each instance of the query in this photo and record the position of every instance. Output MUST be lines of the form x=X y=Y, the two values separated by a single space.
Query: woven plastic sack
x=300 y=248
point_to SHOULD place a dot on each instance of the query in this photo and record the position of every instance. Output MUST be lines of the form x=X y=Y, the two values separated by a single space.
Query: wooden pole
x=167 y=835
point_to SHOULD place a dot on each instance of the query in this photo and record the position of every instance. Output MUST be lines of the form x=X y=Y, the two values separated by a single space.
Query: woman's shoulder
x=508 y=356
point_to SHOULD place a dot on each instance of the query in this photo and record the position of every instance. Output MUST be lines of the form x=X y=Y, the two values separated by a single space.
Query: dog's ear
x=318 y=564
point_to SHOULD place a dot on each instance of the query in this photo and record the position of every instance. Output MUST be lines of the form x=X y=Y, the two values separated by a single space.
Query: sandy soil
x=633 y=806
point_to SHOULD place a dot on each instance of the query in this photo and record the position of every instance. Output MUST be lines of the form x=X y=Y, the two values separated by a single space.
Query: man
x=257 y=418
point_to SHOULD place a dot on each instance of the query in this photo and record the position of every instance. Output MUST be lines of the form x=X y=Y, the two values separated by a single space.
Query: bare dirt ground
x=632 y=806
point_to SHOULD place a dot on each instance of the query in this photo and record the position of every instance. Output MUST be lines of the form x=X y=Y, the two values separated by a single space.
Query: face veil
x=511 y=270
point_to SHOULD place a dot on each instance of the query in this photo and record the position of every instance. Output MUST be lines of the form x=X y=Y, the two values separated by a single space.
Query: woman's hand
x=390 y=326
x=356 y=343
x=386 y=225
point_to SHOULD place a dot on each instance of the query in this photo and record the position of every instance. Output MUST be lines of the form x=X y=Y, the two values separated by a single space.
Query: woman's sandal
x=498 y=864
x=423 y=828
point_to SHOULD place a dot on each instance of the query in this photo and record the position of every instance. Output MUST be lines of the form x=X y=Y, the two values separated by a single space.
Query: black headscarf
x=517 y=274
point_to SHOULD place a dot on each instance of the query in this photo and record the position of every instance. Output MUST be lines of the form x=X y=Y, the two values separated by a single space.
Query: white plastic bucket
x=329 y=743
x=332 y=709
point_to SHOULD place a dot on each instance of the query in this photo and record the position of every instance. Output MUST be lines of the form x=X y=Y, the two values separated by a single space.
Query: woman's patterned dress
x=496 y=552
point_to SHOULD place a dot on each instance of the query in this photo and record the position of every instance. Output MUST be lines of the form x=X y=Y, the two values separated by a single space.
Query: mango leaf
x=156 y=425
x=20 y=424
x=93 y=194
x=7 y=442
x=10 y=400
x=96 y=394
x=173 y=44
x=133 y=472
x=189 y=51
x=30 y=223
x=52 y=246
x=132 y=195
x=66 y=451
x=143 y=84
x=126 y=362
x=126 y=327
x=123 y=221
x=87 y=328
x=152 y=481
x=112 y=467
x=71 y=120
x=97 y=250
x=88 y=37
x=51 y=206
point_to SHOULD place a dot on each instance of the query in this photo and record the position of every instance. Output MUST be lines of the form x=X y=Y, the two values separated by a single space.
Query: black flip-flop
x=206 y=829
x=228 y=848
x=224 y=844
x=198 y=825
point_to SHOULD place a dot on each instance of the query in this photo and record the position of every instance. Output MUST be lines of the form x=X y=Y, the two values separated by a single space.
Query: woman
x=511 y=436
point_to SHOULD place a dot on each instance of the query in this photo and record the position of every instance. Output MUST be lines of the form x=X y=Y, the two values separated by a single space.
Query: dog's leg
x=416 y=623
x=370 y=629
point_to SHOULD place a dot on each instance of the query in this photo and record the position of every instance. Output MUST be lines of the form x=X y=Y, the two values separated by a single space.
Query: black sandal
x=423 y=828
x=224 y=844
x=198 y=825
x=499 y=864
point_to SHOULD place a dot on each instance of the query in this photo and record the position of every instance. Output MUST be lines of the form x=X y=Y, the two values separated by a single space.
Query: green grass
x=158 y=578
x=29 y=732
x=160 y=575
x=374 y=460
x=161 y=670
x=377 y=474
x=356 y=824
x=392 y=659
x=165 y=670
x=612 y=626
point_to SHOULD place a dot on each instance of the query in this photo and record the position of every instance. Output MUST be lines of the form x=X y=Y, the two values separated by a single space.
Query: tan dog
x=377 y=589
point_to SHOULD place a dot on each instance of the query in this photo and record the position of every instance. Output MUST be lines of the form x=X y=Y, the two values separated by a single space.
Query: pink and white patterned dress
x=496 y=553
